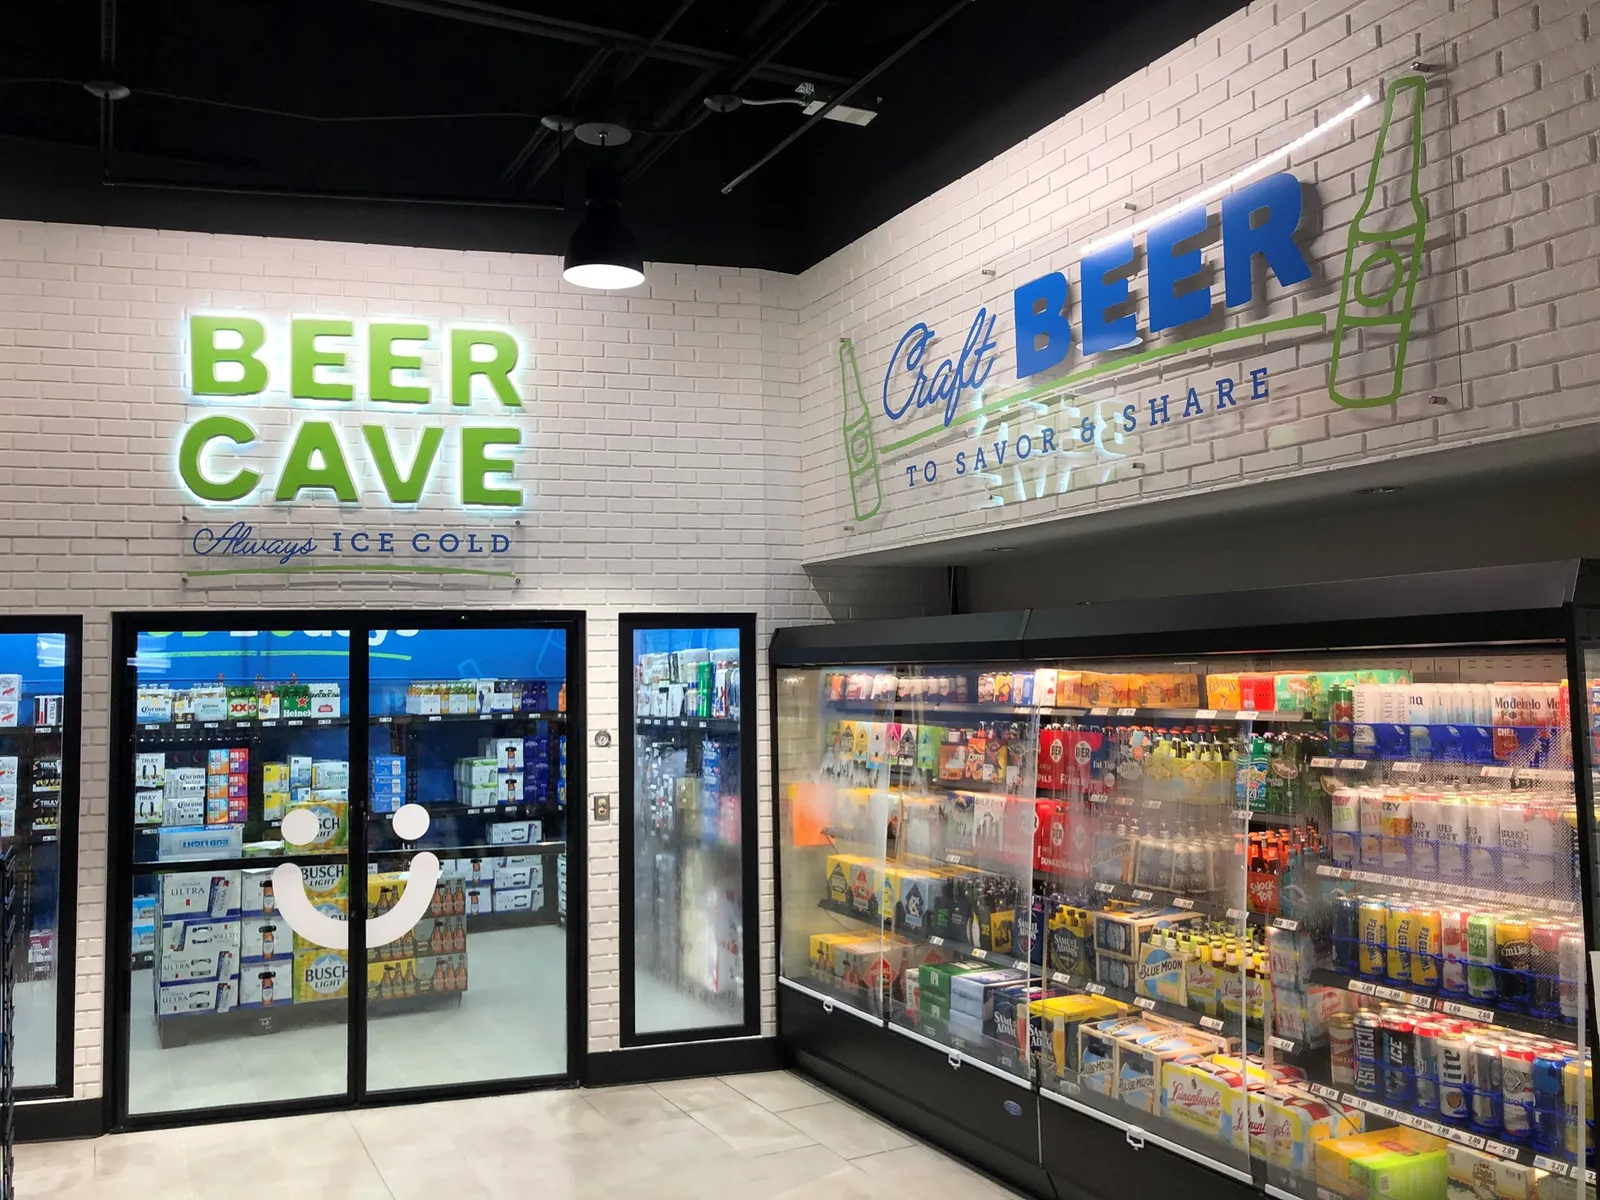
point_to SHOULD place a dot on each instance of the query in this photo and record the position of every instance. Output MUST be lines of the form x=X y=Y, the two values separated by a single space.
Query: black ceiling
x=988 y=74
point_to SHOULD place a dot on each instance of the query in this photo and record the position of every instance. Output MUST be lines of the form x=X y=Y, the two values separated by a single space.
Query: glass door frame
x=70 y=626
x=121 y=869
x=749 y=824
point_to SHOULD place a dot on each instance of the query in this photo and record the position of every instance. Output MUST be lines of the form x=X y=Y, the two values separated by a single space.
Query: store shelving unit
x=10 y=925
x=1343 y=814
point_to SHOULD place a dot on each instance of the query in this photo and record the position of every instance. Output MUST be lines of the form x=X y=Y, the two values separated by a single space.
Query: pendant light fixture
x=603 y=253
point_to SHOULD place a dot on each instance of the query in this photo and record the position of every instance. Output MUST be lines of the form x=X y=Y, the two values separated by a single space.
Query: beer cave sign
x=221 y=459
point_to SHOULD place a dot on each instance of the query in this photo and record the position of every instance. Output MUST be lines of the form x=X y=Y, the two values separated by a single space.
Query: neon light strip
x=1304 y=321
x=1216 y=189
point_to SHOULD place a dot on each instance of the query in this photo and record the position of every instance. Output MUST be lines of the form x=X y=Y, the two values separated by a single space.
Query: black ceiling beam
x=925 y=31
x=496 y=16
x=536 y=139
x=746 y=71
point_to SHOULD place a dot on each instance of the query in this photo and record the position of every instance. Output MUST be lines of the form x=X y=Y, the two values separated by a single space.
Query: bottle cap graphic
x=1383 y=255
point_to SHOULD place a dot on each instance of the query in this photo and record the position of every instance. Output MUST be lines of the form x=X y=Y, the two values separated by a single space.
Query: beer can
x=1450 y=836
x=1455 y=1101
x=1374 y=938
x=1424 y=834
x=1394 y=825
x=1370 y=813
x=1485 y=1087
x=1549 y=1103
x=1513 y=961
x=1346 y=934
x=1544 y=965
x=1571 y=961
x=1427 y=1060
x=1572 y=1090
x=1344 y=843
x=1426 y=930
x=1398 y=943
x=1453 y=951
x=1516 y=1093
x=1342 y=1049
x=1399 y=1059
x=1483 y=839
x=1481 y=956
x=1366 y=1039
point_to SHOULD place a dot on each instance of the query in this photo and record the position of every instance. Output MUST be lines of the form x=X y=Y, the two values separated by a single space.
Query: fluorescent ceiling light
x=849 y=114
x=1212 y=191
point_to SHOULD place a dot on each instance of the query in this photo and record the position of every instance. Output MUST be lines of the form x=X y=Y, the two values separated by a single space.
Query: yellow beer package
x=1287 y=1122
x=1385 y=1164
x=337 y=907
x=1056 y=1019
x=320 y=974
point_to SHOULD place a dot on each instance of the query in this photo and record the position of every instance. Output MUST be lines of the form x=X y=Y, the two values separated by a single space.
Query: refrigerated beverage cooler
x=1285 y=891
x=690 y=970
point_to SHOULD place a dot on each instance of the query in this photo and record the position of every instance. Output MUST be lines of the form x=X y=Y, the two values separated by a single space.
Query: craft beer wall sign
x=926 y=402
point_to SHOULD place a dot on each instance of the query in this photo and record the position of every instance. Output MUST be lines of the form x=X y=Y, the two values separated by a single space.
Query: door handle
x=1135 y=1137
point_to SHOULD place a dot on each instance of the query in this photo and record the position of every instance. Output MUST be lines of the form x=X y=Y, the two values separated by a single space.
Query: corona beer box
x=320 y=974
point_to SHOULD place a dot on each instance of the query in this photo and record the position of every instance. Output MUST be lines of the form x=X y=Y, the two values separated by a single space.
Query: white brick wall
x=662 y=472
x=1507 y=325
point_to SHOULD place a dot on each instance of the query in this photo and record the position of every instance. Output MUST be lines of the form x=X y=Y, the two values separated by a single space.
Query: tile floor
x=773 y=1136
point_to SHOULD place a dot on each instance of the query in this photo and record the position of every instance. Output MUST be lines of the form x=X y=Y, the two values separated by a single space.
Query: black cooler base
x=999 y=1126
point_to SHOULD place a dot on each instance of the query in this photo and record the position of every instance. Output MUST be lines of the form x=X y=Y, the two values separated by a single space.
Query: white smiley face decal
x=288 y=886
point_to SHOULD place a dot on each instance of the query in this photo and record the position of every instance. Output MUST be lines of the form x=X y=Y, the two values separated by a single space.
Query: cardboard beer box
x=267 y=985
x=200 y=895
x=1207 y=1098
x=320 y=974
x=189 y=999
x=1291 y=1121
x=1053 y=1024
x=1384 y=1164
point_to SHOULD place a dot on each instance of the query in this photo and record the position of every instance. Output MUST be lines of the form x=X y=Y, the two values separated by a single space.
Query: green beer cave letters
x=225 y=361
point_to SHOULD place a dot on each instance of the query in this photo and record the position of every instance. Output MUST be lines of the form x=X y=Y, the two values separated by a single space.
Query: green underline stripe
x=292 y=570
x=1306 y=321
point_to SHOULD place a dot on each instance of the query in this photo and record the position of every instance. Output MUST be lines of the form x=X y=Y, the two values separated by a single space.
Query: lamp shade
x=603 y=253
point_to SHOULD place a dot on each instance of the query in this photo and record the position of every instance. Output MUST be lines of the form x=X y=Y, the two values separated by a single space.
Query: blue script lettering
x=950 y=379
x=238 y=539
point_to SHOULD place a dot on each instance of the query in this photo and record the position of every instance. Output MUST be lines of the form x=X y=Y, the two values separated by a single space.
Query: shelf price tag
x=1102 y=886
x=1145 y=1003
x=1279 y=1043
x=210 y=725
x=1236 y=914
x=1063 y=980
x=1245 y=714
x=1405 y=768
x=1496 y=773
x=1127 y=712
x=953 y=859
x=1099 y=712
x=1205 y=714
x=1546 y=1163
x=936 y=941
x=1286 y=923
x=1352 y=764
x=1322 y=1089
x=979 y=954
x=1485 y=1015
x=1323 y=763
x=1500 y=1148
x=1212 y=1023
x=1141 y=894
x=1182 y=902
x=1097 y=989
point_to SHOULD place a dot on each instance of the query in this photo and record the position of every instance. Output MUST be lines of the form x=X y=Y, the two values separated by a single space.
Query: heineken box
x=933 y=979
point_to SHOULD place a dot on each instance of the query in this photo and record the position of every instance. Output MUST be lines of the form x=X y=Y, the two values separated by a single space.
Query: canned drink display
x=1372 y=957
x=1342 y=1049
x=1399 y=1059
x=1397 y=955
x=1426 y=1057
x=1453 y=950
x=1549 y=1102
x=1346 y=934
x=1481 y=984
x=1426 y=931
x=1484 y=1084
x=1366 y=1039
x=1483 y=839
x=1450 y=838
x=1571 y=1093
x=1516 y=1093
x=1424 y=835
x=1513 y=962
x=1455 y=1103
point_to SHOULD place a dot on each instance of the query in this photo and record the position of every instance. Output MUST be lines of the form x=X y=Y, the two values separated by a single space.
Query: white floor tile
x=761 y=1136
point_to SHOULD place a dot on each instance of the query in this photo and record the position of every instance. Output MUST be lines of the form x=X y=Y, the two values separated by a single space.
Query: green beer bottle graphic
x=1381 y=261
x=860 y=450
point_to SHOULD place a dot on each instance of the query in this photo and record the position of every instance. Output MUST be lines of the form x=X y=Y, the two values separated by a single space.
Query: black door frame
x=749 y=824
x=70 y=626
x=120 y=866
